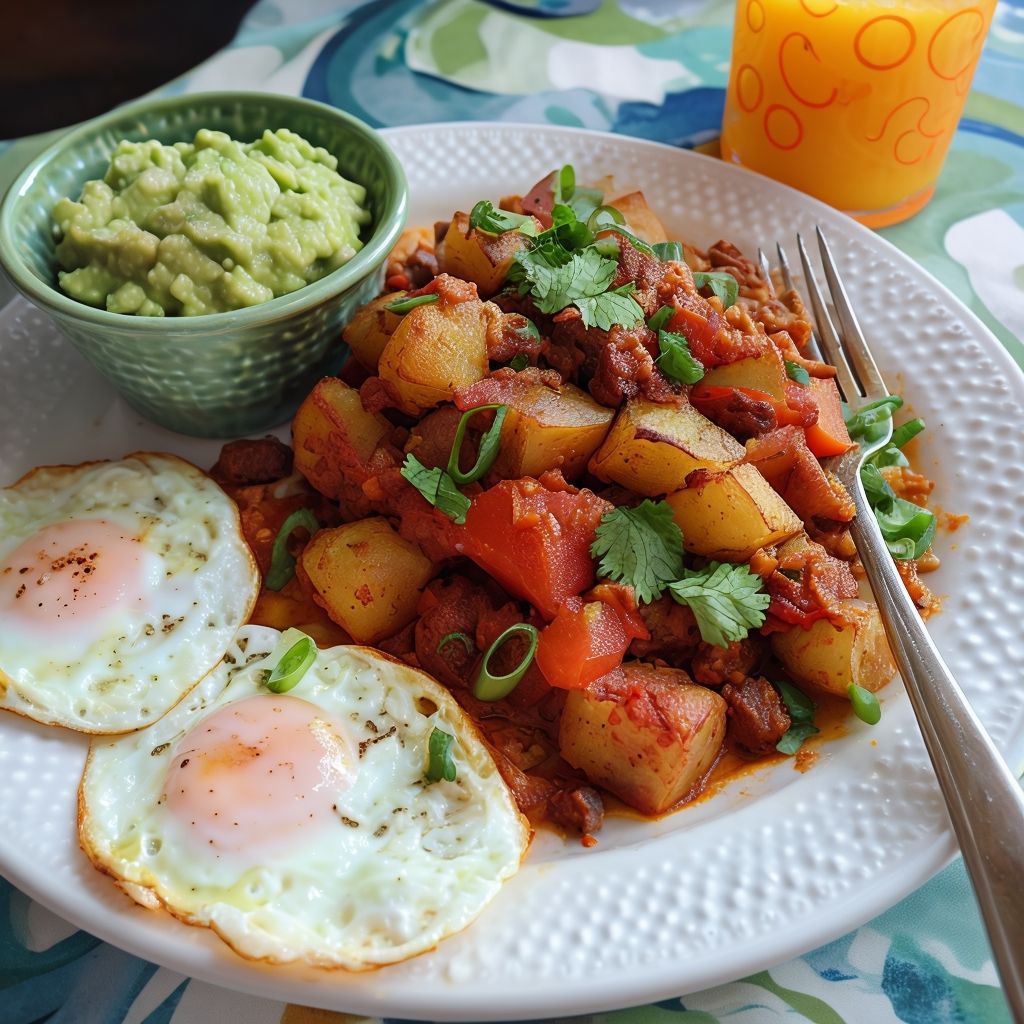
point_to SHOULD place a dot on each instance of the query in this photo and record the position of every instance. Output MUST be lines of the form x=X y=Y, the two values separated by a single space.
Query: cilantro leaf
x=795 y=372
x=662 y=317
x=727 y=600
x=614 y=307
x=676 y=360
x=721 y=283
x=641 y=546
x=486 y=217
x=801 y=713
x=437 y=487
x=553 y=287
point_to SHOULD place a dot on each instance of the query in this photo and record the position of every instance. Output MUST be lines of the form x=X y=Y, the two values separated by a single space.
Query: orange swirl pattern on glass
x=853 y=101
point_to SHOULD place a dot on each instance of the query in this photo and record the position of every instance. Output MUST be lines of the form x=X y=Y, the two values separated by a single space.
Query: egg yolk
x=69 y=574
x=256 y=776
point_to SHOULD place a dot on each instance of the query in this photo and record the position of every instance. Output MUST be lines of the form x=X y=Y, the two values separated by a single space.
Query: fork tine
x=827 y=336
x=766 y=271
x=855 y=344
x=787 y=277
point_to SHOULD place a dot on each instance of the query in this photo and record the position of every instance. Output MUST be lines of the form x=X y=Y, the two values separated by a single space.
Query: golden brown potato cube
x=830 y=657
x=477 y=256
x=652 y=749
x=371 y=328
x=766 y=372
x=729 y=515
x=332 y=434
x=652 y=448
x=552 y=429
x=436 y=349
x=640 y=217
x=367 y=577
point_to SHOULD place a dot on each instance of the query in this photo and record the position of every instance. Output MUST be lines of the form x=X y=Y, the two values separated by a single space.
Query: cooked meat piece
x=625 y=368
x=741 y=415
x=252 y=462
x=674 y=633
x=757 y=718
x=431 y=439
x=580 y=809
x=714 y=666
x=452 y=606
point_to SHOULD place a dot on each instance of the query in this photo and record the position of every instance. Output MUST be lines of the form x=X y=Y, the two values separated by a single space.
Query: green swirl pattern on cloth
x=653 y=69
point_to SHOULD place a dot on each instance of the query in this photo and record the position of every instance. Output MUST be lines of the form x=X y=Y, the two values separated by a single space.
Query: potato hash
x=575 y=469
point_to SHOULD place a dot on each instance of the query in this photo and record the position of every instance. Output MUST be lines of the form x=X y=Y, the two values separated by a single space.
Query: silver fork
x=985 y=802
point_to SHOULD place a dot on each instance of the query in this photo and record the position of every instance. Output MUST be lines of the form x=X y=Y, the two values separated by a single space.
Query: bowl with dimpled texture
x=218 y=374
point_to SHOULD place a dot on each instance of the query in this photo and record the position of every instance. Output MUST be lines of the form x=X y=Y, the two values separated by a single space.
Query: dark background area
x=62 y=61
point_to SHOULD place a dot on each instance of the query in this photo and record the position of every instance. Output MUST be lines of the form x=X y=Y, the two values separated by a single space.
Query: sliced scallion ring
x=282 y=564
x=666 y=251
x=488 y=686
x=402 y=306
x=293 y=666
x=490 y=445
x=449 y=637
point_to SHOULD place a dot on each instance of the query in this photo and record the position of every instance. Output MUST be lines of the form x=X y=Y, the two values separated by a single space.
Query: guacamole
x=207 y=226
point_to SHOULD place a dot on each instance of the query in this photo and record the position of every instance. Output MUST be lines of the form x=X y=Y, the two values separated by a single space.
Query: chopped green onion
x=668 y=251
x=520 y=362
x=439 y=751
x=604 y=217
x=638 y=243
x=282 y=564
x=905 y=431
x=874 y=412
x=293 y=666
x=490 y=445
x=607 y=246
x=527 y=330
x=662 y=317
x=565 y=184
x=491 y=687
x=865 y=704
x=403 y=306
x=449 y=637
x=795 y=372
x=721 y=283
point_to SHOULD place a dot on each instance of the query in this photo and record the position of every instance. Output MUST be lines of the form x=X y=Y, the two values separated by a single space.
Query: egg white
x=403 y=862
x=198 y=584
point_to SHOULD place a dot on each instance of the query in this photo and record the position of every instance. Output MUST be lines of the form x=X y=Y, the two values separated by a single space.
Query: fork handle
x=985 y=802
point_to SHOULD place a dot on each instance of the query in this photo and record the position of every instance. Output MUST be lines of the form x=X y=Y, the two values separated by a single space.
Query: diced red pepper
x=828 y=436
x=585 y=641
x=535 y=540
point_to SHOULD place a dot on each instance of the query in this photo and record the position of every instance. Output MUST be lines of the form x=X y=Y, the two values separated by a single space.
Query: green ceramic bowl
x=223 y=374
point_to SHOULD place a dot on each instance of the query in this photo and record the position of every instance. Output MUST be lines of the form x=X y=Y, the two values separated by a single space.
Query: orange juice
x=854 y=101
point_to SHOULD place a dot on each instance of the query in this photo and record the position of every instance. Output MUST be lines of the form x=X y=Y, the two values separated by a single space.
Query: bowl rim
x=280 y=307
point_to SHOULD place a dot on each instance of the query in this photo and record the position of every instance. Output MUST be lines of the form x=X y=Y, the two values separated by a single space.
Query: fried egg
x=302 y=826
x=121 y=586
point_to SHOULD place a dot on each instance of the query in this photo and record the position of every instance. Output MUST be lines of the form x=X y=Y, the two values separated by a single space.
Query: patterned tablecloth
x=655 y=69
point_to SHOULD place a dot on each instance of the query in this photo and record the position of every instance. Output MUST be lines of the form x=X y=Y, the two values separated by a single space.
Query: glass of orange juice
x=852 y=101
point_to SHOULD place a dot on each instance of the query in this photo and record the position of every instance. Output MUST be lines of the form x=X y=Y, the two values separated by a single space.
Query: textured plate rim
x=383 y=992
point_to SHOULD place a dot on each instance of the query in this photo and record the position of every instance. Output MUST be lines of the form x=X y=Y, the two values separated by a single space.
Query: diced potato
x=552 y=429
x=766 y=372
x=332 y=434
x=729 y=515
x=831 y=658
x=652 y=750
x=640 y=217
x=436 y=349
x=652 y=448
x=292 y=607
x=477 y=256
x=367 y=577
x=371 y=328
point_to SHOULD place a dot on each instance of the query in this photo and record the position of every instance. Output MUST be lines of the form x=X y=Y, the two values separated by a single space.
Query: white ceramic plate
x=777 y=864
